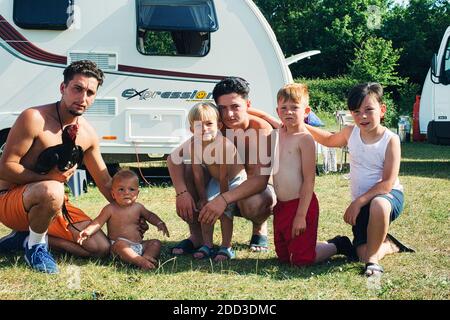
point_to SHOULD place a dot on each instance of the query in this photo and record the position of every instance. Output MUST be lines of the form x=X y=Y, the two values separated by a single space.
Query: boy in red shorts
x=296 y=214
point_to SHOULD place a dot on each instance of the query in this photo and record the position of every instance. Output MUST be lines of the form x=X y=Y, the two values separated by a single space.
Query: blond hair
x=203 y=111
x=125 y=174
x=297 y=92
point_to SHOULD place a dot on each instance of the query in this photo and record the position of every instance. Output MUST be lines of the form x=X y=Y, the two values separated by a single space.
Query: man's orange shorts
x=14 y=216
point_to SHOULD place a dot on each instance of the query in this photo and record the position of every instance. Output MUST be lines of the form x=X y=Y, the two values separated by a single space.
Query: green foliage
x=407 y=97
x=418 y=30
x=334 y=27
x=338 y=27
x=391 y=116
x=328 y=95
x=376 y=61
x=159 y=43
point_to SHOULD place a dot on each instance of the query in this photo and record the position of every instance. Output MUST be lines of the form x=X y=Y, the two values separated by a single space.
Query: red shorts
x=302 y=249
x=14 y=216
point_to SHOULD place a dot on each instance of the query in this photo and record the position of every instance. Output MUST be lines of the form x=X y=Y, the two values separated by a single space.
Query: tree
x=334 y=27
x=376 y=61
x=418 y=30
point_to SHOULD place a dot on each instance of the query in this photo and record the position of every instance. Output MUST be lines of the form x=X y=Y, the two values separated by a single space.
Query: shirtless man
x=254 y=197
x=33 y=202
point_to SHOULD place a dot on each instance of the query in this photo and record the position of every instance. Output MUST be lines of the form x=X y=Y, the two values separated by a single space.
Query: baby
x=122 y=218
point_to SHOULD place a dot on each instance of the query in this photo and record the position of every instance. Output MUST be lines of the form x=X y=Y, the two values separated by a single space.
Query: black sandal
x=401 y=246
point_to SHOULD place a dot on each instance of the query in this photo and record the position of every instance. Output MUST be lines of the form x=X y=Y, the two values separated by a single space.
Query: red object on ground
x=416 y=129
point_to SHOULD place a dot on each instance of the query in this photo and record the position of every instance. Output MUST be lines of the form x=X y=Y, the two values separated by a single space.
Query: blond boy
x=210 y=150
x=296 y=214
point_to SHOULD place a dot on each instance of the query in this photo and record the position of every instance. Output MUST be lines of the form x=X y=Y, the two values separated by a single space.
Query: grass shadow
x=247 y=263
x=7 y=260
x=432 y=169
x=424 y=151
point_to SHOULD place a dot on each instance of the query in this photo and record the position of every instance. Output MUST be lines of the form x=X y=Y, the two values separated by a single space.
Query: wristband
x=224 y=199
x=180 y=193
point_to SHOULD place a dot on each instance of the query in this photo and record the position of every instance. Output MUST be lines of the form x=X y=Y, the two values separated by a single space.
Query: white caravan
x=434 y=114
x=160 y=57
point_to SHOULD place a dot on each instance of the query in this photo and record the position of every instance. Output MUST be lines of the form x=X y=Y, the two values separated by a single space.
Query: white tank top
x=367 y=162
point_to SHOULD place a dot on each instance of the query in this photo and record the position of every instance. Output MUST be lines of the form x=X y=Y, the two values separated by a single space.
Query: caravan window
x=175 y=27
x=43 y=14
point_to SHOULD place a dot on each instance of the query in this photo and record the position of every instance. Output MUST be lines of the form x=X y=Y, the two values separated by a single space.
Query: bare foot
x=394 y=248
x=203 y=252
x=146 y=265
x=187 y=246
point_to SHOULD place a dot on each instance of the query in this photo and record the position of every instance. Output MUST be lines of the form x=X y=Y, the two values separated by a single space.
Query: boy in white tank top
x=377 y=195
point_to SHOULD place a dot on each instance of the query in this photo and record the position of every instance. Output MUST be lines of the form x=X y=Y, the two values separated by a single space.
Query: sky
x=401 y=1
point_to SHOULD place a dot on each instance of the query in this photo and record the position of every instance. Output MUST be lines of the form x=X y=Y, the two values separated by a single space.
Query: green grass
x=424 y=224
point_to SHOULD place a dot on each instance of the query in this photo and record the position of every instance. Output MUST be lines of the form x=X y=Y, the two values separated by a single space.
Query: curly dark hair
x=84 y=67
x=231 y=85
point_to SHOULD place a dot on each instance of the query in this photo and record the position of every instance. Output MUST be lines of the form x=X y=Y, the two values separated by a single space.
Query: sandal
x=373 y=269
x=401 y=246
x=186 y=245
x=206 y=252
x=259 y=243
x=226 y=252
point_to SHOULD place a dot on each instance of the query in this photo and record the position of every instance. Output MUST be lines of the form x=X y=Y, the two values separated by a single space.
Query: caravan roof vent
x=103 y=107
x=106 y=61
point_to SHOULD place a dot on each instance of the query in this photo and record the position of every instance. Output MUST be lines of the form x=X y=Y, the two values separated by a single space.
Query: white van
x=159 y=57
x=434 y=114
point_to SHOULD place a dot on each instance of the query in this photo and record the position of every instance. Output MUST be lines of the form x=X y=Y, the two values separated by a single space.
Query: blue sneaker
x=40 y=259
x=13 y=241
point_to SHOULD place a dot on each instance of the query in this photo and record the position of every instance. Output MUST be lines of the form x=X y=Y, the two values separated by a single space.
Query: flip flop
x=373 y=269
x=259 y=241
x=206 y=251
x=226 y=252
x=400 y=245
x=186 y=245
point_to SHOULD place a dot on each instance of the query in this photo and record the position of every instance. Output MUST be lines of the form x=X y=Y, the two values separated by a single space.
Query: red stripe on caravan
x=27 y=50
x=132 y=69
x=17 y=41
x=21 y=44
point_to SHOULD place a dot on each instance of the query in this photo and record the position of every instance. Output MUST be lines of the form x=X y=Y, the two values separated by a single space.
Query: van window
x=175 y=27
x=446 y=64
x=43 y=14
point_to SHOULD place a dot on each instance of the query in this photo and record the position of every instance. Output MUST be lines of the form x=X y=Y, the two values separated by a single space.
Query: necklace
x=59 y=116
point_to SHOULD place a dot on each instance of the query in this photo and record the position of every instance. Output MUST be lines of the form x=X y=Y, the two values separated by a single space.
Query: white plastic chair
x=344 y=118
